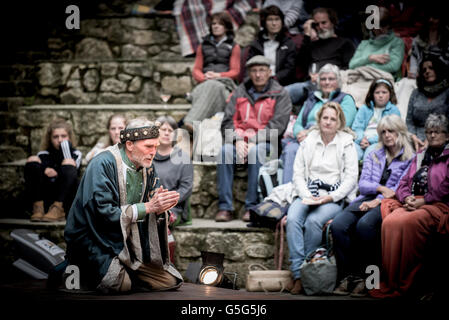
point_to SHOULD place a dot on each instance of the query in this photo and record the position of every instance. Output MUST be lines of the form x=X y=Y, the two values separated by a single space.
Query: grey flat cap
x=258 y=60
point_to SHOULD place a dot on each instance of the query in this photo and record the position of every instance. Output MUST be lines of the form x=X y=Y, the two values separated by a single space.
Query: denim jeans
x=299 y=91
x=304 y=229
x=225 y=174
x=363 y=153
x=356 y=236
x=289 y=148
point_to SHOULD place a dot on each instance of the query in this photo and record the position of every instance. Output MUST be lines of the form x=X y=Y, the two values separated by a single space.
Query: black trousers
x=61 y=188
x=357 y=239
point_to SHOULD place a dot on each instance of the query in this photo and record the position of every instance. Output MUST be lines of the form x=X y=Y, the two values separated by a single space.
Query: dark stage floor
x=36 y=290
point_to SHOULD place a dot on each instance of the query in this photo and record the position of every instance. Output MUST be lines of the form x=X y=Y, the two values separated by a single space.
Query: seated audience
x=174 y=169
x=217 y=66
x=328 y=48
x=432 y=39
x=273 y=43
x=431 y=96
x=257 y=112
x=380 y=102
x=51 y=177
x=116 y=123
x=329 y=85
x=383 y=50
x=356 y=230
x=325 y=173
x=418 y=212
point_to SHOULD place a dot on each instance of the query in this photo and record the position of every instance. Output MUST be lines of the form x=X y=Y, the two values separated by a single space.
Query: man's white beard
x=326 y=34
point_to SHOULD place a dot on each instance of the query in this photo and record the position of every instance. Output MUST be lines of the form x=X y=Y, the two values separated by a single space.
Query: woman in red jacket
x=217 y=66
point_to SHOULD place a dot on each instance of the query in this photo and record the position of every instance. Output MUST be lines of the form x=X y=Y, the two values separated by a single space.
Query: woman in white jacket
x=324 y=174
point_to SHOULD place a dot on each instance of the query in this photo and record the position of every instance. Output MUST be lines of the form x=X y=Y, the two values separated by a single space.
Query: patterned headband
x=134 y=134
x=384 y=81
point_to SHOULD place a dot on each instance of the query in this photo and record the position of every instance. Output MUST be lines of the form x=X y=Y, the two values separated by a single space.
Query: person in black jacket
x=273 y=43
x=51 y=177
x=321 y=46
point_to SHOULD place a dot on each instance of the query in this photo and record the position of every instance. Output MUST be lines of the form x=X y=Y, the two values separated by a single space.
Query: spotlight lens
x=209 y=276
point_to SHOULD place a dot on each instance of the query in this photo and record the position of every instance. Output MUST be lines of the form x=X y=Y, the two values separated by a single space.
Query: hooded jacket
x=246 y=116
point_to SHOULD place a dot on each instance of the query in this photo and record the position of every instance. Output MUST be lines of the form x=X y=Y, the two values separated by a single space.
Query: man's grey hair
x=329 y=68
x=438 y=121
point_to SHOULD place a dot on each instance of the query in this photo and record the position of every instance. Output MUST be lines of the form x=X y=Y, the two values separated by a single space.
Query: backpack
x=270 y=176
x=319 y=269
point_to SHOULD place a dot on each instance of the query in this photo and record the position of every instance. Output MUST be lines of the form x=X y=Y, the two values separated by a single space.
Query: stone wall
x=115 y=60
x=242 y=246
x=113 y=82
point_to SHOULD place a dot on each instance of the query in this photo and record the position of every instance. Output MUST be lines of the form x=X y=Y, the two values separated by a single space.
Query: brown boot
x=38 y=211
x=295 y=287
x=56 y=213
x=223 y=216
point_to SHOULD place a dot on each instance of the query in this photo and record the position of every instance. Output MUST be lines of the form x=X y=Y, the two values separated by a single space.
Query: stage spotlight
x=211 y=271
x=210 y=275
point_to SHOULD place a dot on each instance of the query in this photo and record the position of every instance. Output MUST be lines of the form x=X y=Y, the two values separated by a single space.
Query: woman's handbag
x=267 y=280
x=267 y=214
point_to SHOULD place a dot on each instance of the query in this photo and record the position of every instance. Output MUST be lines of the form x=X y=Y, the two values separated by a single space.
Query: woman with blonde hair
x=356 y=230
x=328 y=89
x=51 y=177
x=325 y=173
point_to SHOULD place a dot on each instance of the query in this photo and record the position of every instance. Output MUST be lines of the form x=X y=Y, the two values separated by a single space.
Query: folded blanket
x=357 y=81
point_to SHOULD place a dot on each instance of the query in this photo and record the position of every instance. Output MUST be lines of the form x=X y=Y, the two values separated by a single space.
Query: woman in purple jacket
x=418 y=213
x=356 y=230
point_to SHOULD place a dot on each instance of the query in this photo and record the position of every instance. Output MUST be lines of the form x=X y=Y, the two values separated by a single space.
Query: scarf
x=315 y=185
x=433 y=90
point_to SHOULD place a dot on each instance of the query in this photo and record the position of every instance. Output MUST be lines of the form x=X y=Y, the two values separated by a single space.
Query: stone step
x=241 y=245
x=17 y=72
x=10 y=153
x=11 y=104
x=13 y=88
x=8 y=120
x=8 y=137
